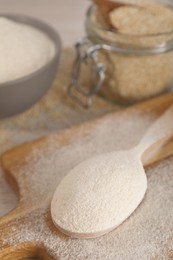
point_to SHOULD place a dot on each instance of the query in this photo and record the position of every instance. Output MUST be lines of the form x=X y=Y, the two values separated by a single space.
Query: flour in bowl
x=23 y=49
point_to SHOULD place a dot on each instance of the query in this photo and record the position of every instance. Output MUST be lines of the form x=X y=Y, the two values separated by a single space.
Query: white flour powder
x=99 y=194
x=146 y=235
x=23 y=50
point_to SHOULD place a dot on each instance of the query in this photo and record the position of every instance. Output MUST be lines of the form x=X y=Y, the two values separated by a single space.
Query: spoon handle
x=161 y=129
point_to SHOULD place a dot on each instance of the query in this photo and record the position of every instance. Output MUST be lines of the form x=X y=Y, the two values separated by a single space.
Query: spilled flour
x=147 y=234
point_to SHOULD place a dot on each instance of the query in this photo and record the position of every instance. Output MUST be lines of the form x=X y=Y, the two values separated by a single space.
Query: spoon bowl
x=110 y=172
x=102 y=192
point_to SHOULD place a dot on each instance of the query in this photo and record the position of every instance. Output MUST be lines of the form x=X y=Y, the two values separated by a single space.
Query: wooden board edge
x=62 y=136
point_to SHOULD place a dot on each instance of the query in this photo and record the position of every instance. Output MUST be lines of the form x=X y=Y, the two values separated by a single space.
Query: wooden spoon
x=102 y=192
x=106 y=6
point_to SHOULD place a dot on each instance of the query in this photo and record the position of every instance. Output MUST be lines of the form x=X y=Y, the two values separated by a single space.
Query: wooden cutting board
x=34 y=170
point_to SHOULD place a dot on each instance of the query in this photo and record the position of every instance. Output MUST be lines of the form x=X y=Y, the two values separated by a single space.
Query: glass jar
x=124 y=68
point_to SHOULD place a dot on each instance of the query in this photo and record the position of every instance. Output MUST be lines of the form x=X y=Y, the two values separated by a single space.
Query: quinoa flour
x=147 y=26
x=23 y=50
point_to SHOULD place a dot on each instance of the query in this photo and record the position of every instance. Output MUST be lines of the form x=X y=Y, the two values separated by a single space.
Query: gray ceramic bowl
x=20 y=94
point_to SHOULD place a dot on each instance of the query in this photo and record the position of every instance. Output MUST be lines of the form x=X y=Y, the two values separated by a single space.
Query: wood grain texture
x=33 y=212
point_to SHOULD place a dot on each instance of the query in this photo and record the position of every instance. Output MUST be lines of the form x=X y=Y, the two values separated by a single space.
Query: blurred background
x=66 y=16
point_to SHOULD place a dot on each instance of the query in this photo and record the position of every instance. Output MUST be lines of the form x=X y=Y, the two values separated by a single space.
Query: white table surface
x=67 y=17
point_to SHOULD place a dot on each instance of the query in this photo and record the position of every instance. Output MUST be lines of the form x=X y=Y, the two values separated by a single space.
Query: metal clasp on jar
x=85 y=51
